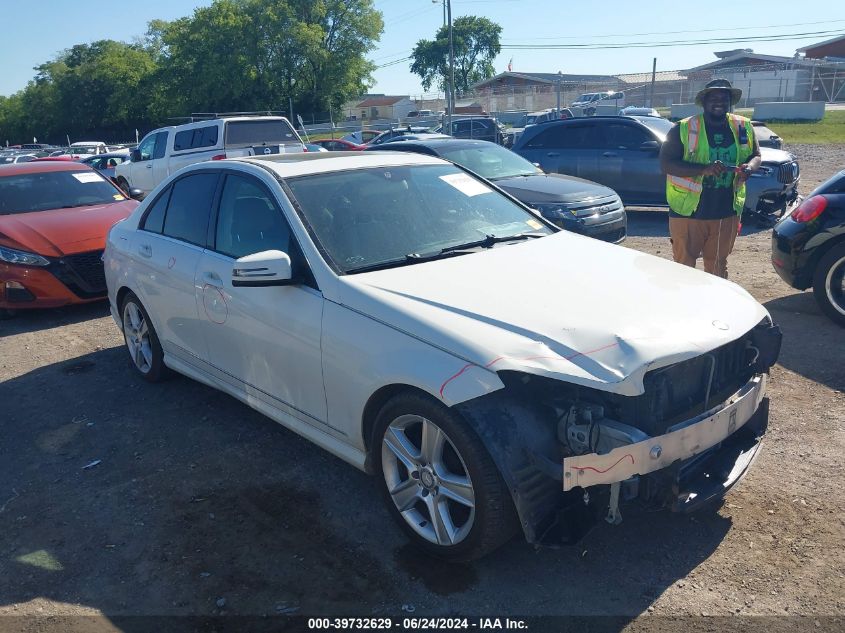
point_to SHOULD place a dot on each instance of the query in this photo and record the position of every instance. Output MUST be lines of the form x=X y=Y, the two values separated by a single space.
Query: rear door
x=566 y=148
x=168 y=248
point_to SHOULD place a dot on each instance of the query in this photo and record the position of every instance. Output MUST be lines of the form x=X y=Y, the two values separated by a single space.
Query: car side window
x=182 y=140
x=576 y=136
x=623 y=136
x=190 y=207
x=161 y=145
x=249 y=220
x=147 y=147
x=154 y=218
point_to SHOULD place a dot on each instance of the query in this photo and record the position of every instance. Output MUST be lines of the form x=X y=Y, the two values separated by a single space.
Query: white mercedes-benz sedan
x=492 y=372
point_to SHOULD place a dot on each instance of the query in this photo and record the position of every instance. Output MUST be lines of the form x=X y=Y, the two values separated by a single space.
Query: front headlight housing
x=554 y=211
x=21 y=258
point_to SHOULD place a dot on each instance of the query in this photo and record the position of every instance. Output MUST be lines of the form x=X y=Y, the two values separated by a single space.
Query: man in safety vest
x=707 y=158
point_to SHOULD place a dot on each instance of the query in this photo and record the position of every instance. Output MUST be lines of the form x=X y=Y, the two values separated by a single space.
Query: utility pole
x=559 y=80
x=451 y=65
x=653 y=79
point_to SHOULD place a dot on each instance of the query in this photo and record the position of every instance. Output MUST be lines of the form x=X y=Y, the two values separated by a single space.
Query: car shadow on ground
x=47 y=319
x=174 y=499
x=819 y=357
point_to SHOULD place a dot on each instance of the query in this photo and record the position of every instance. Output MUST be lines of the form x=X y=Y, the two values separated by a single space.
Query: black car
x=481 y=128
x=623 y=152
x=808 y=247
x=392 y=133
x=573 y=204
x=765 y=136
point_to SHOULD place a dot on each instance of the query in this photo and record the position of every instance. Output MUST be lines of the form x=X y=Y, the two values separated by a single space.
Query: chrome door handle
x=610 y=154
x=149 y=165
x=145 y=250
x=553 y=154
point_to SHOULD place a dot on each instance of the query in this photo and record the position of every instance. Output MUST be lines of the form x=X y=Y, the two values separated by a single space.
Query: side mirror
x=135 y=156
x=267 y=268
x=136 y=194
x=649 y=146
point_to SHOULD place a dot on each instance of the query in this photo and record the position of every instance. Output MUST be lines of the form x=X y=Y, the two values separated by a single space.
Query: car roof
x=38 y=167
x=305 y=164
x=438 y=142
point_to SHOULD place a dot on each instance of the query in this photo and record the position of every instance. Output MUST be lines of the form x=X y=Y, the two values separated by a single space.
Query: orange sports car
x=54 y=217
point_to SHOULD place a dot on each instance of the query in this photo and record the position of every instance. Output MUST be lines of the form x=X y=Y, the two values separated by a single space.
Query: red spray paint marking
x=496 y=360
x=601 y=472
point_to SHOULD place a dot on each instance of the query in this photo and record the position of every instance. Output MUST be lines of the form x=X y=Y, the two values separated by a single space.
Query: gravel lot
x=199 y=506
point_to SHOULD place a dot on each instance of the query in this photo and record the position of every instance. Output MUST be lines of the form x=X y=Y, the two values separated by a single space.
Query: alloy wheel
x=428 y=480
x=137 y=335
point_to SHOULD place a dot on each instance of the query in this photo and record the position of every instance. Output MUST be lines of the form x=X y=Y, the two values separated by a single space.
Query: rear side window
x=183 y=140
x=190 y=207
x=154 y=220
x=196 y=138
x=270 y=132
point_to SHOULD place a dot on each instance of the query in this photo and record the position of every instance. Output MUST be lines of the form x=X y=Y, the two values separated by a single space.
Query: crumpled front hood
x=553 y=188
x=563 y=306
x=63 y=231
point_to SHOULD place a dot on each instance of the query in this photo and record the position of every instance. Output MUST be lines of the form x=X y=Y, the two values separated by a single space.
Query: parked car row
x=415 y=310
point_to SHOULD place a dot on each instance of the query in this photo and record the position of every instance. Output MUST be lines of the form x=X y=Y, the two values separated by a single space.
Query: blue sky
x=42 y=28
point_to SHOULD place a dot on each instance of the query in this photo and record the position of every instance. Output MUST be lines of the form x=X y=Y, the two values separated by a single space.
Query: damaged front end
x=571 y=453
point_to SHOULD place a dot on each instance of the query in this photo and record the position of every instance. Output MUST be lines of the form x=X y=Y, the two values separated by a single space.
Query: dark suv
x=622 y=152
x=478 y=128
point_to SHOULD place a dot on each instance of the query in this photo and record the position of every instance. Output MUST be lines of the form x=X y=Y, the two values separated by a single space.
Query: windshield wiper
x=449 y=251
x=489 y=241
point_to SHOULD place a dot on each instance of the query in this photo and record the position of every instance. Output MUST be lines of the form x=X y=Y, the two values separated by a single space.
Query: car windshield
x=489 y=161
x=392 y=216
x=590 y=96
x=24 y=193
x=84 y=149
x=660 y=126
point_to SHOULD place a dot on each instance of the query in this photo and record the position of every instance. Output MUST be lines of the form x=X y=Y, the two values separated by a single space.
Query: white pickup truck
x=166 y=150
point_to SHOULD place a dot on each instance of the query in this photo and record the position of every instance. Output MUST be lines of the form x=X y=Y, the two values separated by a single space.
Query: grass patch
x=831 y=129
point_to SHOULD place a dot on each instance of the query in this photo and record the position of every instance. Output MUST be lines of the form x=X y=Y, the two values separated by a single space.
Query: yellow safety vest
x=682 y=192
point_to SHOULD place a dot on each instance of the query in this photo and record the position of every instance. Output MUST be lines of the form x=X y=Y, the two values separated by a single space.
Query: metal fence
x=793 y=81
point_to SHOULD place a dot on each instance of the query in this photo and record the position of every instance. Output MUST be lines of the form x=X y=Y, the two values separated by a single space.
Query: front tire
x=829 y=284
x=439 y=482
x=141 y=340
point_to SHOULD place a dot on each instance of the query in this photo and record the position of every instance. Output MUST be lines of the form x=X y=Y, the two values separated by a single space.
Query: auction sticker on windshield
x=465 y=184
x=86 y=177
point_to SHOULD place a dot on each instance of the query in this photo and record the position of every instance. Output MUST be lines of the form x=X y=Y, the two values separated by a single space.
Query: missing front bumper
x=660 y=452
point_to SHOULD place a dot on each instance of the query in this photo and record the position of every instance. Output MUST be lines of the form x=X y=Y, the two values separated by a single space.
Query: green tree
x=257 y=54
x=476 y=43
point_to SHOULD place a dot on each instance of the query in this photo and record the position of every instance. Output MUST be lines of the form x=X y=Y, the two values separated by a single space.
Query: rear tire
x=829 y=284
x=142 y=341
x=439 y=482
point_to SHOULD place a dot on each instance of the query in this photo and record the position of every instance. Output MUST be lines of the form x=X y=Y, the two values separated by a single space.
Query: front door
x=264 y=341
x=632 y=170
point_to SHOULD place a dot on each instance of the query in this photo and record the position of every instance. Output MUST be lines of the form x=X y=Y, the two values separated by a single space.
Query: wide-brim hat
x=718 y=84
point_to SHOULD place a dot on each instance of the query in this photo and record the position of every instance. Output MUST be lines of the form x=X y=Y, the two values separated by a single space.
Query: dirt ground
x=119 y=498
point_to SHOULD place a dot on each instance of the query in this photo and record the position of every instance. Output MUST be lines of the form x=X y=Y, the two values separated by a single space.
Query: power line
x=742 y=28
x=724 y=40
